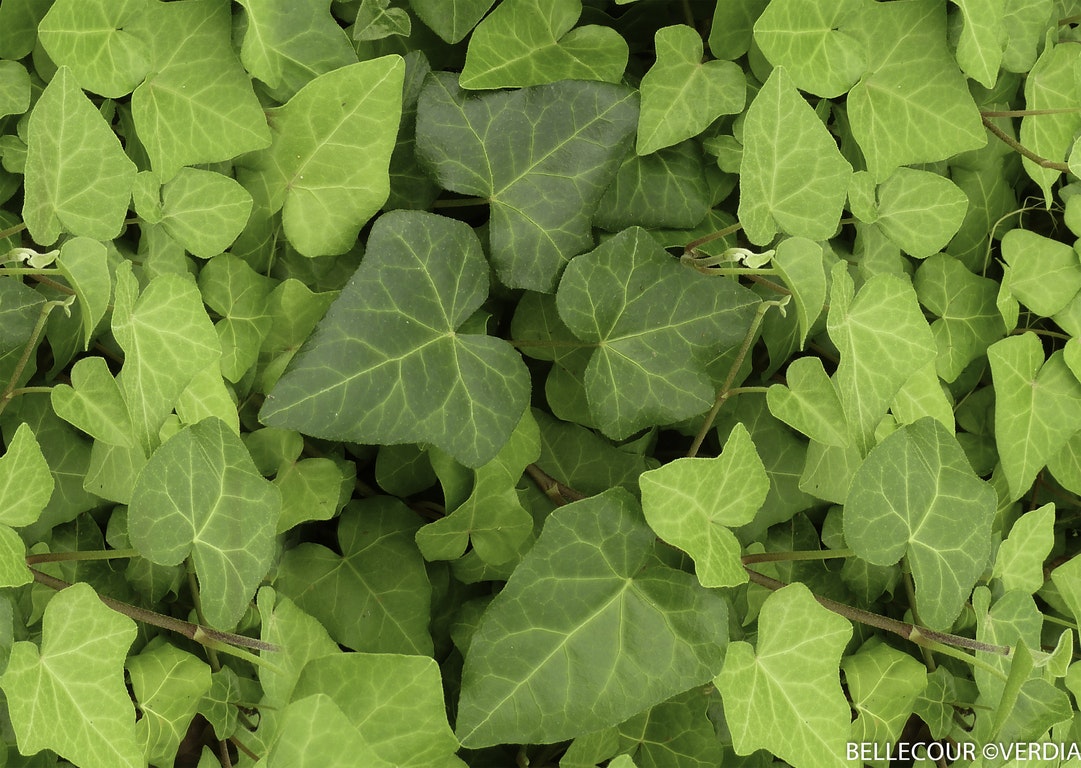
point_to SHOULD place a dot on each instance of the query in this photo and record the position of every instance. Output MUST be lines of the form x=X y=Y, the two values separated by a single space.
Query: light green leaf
x=815 y=43
x=85 y=264
x=923 y=395
x=198 y=106
x=692 y=504
x=14 y=572
x=589 y=630
x=916 y=496
x=791 y=681
x=1045 y=274
x=1035 y=407
x=884 y=684
x=204 y=211
x=78 y=178
x=532 y=42
x=240 y=295
x=94 y=403
x=730 y=33
x=77 y=678
x=14 y=88
x=26 y=484
x=394 y=331
x=920 y=211
x=207 y=395
x=543 y=156
x=1020 y=560
x=329 y=176
x=983 y=39
x=219 y=706
x=169 y=684
x=375 y=596
x=792 y=176
x=300 y=637
x=882 y=337
x=89 y=36
x=167 y=339
x=912 y=81
x=655 y=325
x=968 y=320
x=1026 y=23
x=287 y=43
x=376 y=691
x=376 y=19
x=681 y=95
x=201 y=495
x=311 y=490
x=492 y=518
x=810 y=403
x=315 y=733
x=799 y=262
x=451 y=19
x=1051 y=85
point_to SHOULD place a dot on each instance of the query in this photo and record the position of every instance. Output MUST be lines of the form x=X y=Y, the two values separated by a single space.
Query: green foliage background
x=537 y=382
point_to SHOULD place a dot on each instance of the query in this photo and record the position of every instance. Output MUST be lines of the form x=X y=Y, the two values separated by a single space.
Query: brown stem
x=553 y=489
x=185 y=628
x=901 y=628
x=1011 y=142
x=718 y=235
x=1029 y=112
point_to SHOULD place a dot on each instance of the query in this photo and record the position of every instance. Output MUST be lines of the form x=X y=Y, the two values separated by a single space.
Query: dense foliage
x=452 y=382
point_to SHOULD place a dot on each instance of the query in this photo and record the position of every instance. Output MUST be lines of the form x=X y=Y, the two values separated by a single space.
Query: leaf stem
x=191 y=631
x=726 y=390
x=553 y=489
x=812 y=554
x=1029 y=112
x=740 y=271
x=82 y=556
x=6 y=233
x=718 y=235
x=1016 y=146
x=903 y=629
x=461 y=202
x=31 y=345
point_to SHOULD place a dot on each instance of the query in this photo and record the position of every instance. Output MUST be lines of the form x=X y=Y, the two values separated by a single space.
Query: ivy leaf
x=790 y=680
x=14 y=572
x=1051 y=85
x=1045 y=274
x=492 y=518
x=792 y=176
x=817 y=45
x=315 y=733
x=810 y=403
x=675 y=732
x=983 y=39
x=14 y=88
x=799 y=262
x=167 y=339
x=915 y=495
x=241 y=296
x=300 y=637
x=532 y=42
x=968 y=319
x=692 y=504
x=169 y=684
x=287 y=44
x=312 y=490
x=77 y=678
x=575 y=641
x=655 y=325
x=204 y=211
x=395 y=324
x=542 y=156
x=78 y=178
x=1034 y=407
x=198 y=106
x=90 y=38
x=201 y=495
x=681 y=95
x=882 y=337
x=884 y=684
x=26 y=483
x=912 y=81
x=451 y=19
x=84 y=262
x=665 y=189
x=328 y=177
x=373 y=597
x=376 y=20
x=920 y=211
x=1020 y=559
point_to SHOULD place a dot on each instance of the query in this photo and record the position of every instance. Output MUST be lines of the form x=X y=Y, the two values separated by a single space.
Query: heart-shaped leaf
x=810 y=403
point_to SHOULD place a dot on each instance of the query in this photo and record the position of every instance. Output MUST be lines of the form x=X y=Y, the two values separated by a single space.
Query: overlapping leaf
x=542 y=156
x=78 y=179
x=75 y=678
x=916 y=496
x=532 y=42
x=451 y=19
x=692 y=504
x=791 y=681
x=329 y=176
x=201 y=495
x=590 y=630
x=14 y=88
x=655 y=325
x=920 y=211
x=792 y=177
x=1051 y=85
x=387 y=365
x=84 y=262
x=25 y=482
x=204 y=211
x=1045 y=274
